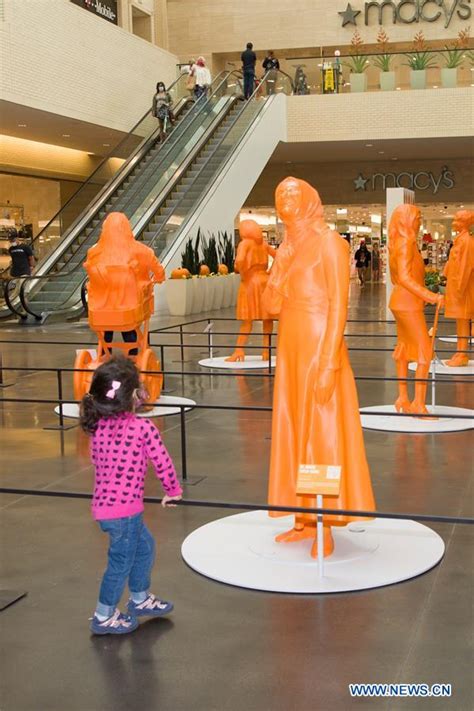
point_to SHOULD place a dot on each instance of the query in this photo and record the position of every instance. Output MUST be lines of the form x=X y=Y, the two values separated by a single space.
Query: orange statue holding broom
x=459 y=272
x=407 y=303
x=315 y=408
x=252 y=264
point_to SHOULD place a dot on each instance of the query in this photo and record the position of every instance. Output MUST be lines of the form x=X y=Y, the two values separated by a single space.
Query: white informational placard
x=395 y=197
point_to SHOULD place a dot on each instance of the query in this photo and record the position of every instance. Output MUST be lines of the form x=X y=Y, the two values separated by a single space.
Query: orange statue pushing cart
x=459 y=271
x=120 y=298
x=407 y=302
x=315 y=408
x=252 y=264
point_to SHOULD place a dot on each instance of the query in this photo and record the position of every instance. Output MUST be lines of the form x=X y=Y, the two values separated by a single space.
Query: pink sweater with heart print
x=121 y=448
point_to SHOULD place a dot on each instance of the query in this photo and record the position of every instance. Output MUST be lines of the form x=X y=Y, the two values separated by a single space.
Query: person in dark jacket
x=271 y=66
x=22 y=256
x=362 y=259
x=249 y=60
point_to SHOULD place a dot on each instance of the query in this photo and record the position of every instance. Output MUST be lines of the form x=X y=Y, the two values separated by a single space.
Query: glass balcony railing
x=428 y=69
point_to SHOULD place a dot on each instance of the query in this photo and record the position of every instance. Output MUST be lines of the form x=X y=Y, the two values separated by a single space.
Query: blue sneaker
x=151 y=607
x=115 y=624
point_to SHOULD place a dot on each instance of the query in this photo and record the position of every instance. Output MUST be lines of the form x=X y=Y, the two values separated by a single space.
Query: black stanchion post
x=60 y=397
x=162 y=360
x=209 y=337
x=270 y=351
x=184 y=463
x=181 y=341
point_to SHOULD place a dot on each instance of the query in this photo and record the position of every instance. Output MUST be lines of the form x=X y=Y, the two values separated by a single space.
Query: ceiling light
x=66 y=135
x=369 y=145
x=381 y=152
x=22 y=125
x=394 y=158
x=341 y=211
x=399 y=88
x=106 y=145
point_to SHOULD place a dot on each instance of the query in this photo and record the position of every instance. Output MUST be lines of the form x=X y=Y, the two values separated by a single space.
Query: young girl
x=161 y=108
x=121 y=446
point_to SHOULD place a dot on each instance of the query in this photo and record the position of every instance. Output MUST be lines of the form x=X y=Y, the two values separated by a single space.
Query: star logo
x=360 y=182
x=349 y=15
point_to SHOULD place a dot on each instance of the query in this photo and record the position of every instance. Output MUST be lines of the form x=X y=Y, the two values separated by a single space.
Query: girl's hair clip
x=115 y=386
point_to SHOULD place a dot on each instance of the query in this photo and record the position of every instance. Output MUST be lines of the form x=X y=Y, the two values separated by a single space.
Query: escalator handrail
x=25 y=280
x=216 y=148
x=101 y=164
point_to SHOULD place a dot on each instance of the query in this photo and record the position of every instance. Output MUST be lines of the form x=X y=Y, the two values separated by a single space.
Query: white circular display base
x=240 y=550
x=442 y=369
x=250 y=362
x=417 y=425
x=72 y=410
x=453 y=339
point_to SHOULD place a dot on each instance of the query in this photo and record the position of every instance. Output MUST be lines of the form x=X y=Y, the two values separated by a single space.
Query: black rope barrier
x=434 y=518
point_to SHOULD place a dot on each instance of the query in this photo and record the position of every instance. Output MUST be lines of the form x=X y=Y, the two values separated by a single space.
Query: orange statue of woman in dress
x=315 y=408
x=459 y=271
x=407 y=302
x=121 y=274
x=252 y=264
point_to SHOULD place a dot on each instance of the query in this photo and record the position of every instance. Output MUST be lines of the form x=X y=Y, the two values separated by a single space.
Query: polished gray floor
x=224 y=649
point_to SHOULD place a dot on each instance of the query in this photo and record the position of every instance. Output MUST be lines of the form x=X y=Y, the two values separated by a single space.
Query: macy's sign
x=409 y=11
x=414 y=181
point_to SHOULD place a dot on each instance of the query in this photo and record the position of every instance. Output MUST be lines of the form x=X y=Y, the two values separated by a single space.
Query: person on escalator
x=249 y=60
x=202 y=77
x=271 y=66
x=22 y=256
x=162 y=108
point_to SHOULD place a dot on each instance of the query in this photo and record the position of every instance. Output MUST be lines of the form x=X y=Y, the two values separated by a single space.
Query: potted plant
x=453 y=58
x=357 y=64
x=383 y=61
x=419 y=60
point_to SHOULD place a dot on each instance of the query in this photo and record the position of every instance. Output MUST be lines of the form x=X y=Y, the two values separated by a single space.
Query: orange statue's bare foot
x=419 y=408
x=402 y=404
x=459 y=360
x=328 y=544
x=238 y=356
x=299 y=533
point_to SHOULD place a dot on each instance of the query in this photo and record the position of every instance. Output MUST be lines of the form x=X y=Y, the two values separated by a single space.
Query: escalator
x=159 y=188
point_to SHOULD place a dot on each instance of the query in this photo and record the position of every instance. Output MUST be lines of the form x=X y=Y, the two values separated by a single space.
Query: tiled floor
x=224 y=649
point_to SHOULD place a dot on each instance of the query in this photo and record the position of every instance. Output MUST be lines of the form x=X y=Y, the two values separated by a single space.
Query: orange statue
x=121 y=273
x=315 y=408
x=252 y=264
x=407 y=302
x=459 y=271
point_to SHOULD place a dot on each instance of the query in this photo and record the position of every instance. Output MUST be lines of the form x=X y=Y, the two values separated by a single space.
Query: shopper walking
x=122 y=445
x=376 y=263
x=190 y=70
x=362 y=260
x=162 y=109
x=249 y=60
x=271 y=66
x=202 y=77
x=22 y=256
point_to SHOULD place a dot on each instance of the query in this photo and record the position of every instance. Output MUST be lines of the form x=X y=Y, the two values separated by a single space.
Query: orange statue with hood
x=121 y=274
x=459 y=272
x=407 y=302
x=252 y=264
x=315 y=408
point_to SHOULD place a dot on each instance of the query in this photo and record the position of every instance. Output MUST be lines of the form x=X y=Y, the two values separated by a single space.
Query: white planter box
x=228 y=290
x=198 y=295
x=449 y=77
x=179 y=296
x=220 y=288
x=387 y=81
x=418 y=78
x=358 y=82
x=208 y=293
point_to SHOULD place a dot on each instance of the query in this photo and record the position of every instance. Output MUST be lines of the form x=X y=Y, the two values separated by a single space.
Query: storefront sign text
x=414 y=181
x=104 y=8
x=408 y=11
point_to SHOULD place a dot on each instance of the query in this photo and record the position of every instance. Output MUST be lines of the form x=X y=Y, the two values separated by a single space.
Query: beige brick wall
x=392 y=114
x=211 y=26
x=62 y=59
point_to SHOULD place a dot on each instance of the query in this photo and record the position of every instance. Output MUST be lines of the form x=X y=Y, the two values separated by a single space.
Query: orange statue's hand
x=324 y=386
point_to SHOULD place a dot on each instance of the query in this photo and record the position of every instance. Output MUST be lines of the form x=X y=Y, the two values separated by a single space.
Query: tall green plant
x=209 y=252
x=383 y=60
x=358 y=62
x=454 y=55
x=190 y=258
x=420 y=58
x=226 y=251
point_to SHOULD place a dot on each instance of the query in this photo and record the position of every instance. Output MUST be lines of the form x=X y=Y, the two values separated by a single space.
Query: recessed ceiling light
x=369 y=145
x=399 y=88
x=435 y=86
x=106 y=145
x=66 y=135
x=394 y=158
x=381 y=152
x=22 y=125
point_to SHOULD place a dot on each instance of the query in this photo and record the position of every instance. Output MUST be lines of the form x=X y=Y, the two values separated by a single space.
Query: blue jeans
x=131 y=556
x=249 y=84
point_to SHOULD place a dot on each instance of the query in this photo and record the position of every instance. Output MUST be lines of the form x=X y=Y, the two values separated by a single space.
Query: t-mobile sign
x=104 y=8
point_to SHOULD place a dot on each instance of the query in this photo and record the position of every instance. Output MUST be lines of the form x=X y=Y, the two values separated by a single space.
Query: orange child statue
x=121 y=275
x=252 y=264
x=315 y=407
x=407 y=302
x=459 y=272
